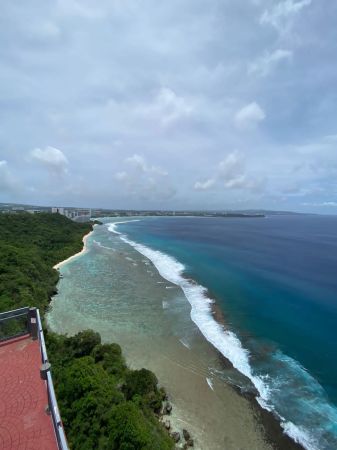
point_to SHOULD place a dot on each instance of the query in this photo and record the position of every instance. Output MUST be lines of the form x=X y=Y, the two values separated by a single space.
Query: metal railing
x=27 y=321
x=14 y=323
x=52 y=402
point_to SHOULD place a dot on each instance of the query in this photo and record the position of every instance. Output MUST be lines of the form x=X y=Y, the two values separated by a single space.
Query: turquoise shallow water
x=275 y=281
x=118 y=291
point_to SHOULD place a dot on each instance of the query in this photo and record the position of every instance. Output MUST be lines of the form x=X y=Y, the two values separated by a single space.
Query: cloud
x=173 y=107
x=79 y=8
x=166 y=106
x=230 y=174
x=231 y=166
x=42 y=33
x=318 y=204
x=296 y=190
x=120 y=176
x=8 y=183
x=248 y=117
x=329 y=204
x=139 y=162
x=233 y=174
x=145 y=181
x=239 y=182
x=48 y=30
x=52 y=158
x=264 y=65
x=204 y=185
x=279 y=15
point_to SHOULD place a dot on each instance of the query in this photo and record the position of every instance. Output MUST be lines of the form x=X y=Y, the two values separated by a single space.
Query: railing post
x=32 y=323
x=43 y=371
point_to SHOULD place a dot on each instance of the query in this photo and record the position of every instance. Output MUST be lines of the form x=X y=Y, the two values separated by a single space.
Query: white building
x=74 y=214
x=58 y=210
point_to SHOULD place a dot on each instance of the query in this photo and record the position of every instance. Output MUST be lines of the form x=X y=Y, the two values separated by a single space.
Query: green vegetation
x=104 y=405
x=30 y=245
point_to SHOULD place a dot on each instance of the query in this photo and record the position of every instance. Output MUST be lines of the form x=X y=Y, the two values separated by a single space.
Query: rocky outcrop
x=175 y=436
x=186 y=435
x=167 y=408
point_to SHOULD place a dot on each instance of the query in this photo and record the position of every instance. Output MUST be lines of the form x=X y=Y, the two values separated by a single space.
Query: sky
x=186 y=104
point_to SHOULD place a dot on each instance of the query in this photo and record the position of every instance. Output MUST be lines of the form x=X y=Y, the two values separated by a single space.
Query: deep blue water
x=275 y=280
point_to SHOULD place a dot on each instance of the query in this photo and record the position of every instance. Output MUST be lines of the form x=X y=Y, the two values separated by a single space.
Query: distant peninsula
x=85 y=214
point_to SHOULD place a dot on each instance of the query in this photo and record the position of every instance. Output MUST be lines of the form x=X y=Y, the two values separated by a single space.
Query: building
x=76 y=214
x=58 y=210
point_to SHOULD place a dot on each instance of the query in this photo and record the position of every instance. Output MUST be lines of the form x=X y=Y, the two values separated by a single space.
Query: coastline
x=84 y=250
x=272 y=430
x=212 y=411
x=270 y=421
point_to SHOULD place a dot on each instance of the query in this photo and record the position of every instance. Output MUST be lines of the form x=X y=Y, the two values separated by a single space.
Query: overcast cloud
x=215 y=104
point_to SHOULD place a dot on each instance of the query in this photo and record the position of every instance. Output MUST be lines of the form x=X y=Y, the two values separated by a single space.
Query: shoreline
x=273 y=431
x=84 y=250
x=271 y=423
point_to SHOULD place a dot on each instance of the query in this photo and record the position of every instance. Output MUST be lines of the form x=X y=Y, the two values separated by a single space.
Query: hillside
x=104 y=404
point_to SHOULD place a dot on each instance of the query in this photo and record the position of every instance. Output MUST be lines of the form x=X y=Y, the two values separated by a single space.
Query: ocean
x=275 y=280
x=261 y=291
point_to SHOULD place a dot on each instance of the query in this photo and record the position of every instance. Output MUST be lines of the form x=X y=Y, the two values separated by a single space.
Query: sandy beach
x=84 y=250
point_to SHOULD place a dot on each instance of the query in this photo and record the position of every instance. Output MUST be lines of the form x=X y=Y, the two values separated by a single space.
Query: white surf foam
x=300 y=435
x=210 y=384
x=223 y=340
x=113 y=226
x=185 y=344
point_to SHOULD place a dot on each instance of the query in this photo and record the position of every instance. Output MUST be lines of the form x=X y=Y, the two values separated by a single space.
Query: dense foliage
x=30 y=245
x=104 y=405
